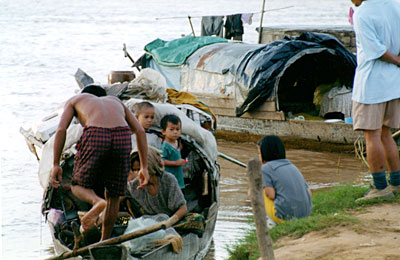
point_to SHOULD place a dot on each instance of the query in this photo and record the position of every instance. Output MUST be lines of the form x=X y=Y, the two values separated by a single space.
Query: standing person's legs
x=89 y=196
x=392 y=120
x=110 y=215
x=391 y=151
x=370 y=118
x=375 y=150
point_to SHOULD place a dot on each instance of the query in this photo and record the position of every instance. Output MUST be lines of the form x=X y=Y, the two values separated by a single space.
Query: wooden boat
x=255 y=89
x=201 y=179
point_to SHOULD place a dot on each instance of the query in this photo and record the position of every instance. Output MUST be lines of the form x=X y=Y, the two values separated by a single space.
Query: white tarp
x=338 y=99
x=74 y=132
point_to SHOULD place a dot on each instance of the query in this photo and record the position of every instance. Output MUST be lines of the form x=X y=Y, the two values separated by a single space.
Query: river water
x=43 y=43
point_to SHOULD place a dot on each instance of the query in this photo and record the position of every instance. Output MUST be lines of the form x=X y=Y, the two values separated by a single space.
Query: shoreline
x=289 y=142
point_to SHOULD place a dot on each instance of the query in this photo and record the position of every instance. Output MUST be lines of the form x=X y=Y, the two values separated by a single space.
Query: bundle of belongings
x=191 y=223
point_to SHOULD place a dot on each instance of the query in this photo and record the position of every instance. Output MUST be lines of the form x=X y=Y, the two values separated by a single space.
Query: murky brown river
x=320 y=169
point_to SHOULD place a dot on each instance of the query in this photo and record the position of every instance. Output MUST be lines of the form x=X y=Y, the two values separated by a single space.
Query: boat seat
x=109 y=252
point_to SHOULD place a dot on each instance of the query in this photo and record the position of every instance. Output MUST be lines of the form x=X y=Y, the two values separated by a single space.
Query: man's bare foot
x=90 y=218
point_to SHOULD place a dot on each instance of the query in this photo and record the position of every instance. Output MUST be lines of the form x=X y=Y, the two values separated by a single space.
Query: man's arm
x=141 y=140
x=389 y=57
x=59 y=141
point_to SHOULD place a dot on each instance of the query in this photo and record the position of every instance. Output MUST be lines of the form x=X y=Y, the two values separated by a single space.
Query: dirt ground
x=375 y=237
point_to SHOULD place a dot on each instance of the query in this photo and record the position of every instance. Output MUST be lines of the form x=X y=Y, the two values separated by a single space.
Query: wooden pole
x=257 y=203
x=261 y=21
x=116 y=240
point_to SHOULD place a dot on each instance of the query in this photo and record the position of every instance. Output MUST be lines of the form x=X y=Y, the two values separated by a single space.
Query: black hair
x=94 y=90
x=169 y=118
x=271 y=148
x=142 y=105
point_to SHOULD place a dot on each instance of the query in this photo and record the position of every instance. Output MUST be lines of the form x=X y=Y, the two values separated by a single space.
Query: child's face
x=146 y=117
x=133 y=173
x=172 y=131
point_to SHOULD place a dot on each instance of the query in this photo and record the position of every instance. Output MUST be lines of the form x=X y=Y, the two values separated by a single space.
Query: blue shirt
x=377 y=29
x=292 y=198
x=170 y=153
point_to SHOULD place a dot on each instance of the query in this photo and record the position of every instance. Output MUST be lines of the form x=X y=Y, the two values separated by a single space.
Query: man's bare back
x=105 y=111
x=94 y=108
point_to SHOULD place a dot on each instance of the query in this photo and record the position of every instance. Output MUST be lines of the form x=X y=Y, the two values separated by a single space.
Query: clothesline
x=181 y=17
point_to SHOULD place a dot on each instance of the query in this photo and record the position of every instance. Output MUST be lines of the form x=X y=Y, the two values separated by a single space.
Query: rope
x=360 y=150
x=181 y=17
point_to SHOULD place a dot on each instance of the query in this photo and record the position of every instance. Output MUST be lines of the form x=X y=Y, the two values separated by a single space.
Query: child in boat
x=162 y=193
x=286 y=193
x=171 y=128
x=145 y=112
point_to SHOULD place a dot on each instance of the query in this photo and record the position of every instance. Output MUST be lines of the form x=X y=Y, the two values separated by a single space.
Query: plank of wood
x=257 y=204
x=265 y=115
x=222 y=101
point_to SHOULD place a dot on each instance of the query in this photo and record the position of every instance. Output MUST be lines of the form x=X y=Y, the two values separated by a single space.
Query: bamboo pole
x=257 y=203
x=261 y=21
x=116 y=240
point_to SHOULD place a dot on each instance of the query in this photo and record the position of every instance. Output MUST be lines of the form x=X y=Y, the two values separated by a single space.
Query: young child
x=162 y=194
x=171 y=154
x=145 y=115
x=286 y=193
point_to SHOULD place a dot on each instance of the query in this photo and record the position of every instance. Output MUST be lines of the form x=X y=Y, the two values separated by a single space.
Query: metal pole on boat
x=191 y=25
x=232 y=159
x=261 y=21
x=257 y=204
x=126 y=54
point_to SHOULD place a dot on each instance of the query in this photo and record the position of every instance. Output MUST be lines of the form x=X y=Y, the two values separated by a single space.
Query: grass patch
x=333 y=207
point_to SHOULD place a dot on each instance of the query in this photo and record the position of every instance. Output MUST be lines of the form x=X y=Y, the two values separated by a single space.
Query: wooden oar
x=116 y=240
x=232 y=159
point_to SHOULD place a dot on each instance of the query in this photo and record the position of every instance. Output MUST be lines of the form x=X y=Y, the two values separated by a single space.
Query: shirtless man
x=103 y=153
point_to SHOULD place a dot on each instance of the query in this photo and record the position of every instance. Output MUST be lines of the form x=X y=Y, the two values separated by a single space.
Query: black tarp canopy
x=285 y=69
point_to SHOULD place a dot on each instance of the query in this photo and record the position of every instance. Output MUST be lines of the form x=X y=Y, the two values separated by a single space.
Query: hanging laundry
x=212 y=25
x=247 y=18
x=234 y=27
